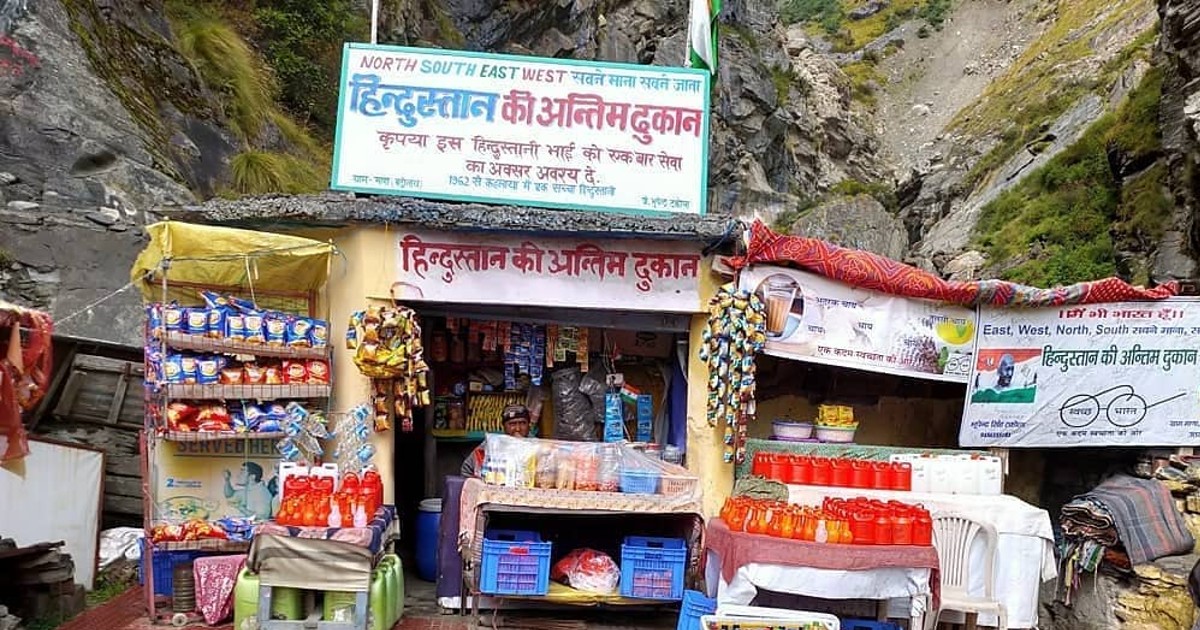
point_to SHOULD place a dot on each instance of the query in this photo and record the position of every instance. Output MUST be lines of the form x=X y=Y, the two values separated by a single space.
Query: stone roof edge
x=338 y=210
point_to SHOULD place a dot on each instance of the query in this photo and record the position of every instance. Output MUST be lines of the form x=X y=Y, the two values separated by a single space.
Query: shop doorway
x=559 y=364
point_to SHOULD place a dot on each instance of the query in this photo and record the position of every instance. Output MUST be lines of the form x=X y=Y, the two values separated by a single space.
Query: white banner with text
x=1098 y=375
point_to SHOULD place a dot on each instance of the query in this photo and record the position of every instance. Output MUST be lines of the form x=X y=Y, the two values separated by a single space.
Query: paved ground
x=421 y=612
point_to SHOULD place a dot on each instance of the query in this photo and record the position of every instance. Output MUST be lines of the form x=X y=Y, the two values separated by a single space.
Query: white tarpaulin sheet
x=54 y=494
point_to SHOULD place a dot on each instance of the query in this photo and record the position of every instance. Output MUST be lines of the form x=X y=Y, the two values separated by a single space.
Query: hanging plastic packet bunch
x=733 y=337
x=354 y=450
x=303 y=430
x=386 y=341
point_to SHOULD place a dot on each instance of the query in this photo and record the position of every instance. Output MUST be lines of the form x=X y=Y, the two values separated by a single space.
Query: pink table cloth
x=215 y=578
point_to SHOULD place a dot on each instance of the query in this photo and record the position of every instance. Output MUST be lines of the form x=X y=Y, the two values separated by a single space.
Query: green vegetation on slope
x=302 y=40
x=1066 y=221
x=1050 y=77
x=831 y=17
x=249 y=92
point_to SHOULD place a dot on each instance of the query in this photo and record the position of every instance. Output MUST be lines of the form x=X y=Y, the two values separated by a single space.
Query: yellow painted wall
x=365 y=271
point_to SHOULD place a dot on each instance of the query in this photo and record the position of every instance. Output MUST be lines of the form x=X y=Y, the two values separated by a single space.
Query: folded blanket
x=1085 y=518
x=1144 y=516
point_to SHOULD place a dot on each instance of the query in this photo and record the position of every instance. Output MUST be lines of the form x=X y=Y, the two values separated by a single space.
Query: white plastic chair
x=953 y=536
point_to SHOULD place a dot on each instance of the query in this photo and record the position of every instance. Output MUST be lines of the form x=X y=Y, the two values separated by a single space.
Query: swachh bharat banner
x=1096 y=375
x=554 y=133
x=812 y=318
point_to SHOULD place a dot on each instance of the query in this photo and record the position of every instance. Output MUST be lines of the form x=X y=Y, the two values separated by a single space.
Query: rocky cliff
x=909 y=127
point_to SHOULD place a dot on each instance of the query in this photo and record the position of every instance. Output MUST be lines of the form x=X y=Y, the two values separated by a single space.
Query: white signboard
x=812 y=318
x=657 y=276
x=555 y=133
x=1101 y=375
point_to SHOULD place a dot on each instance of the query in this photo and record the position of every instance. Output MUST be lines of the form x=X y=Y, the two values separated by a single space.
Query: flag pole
x=374 y=21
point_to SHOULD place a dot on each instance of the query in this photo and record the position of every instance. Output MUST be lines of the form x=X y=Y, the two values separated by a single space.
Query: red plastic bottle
x=295 y=486
x=923 y=529
x=902 y=534
x=860 y=474
x=840 y=469
x=883 y=530
x=822 y=472
x=372 y=480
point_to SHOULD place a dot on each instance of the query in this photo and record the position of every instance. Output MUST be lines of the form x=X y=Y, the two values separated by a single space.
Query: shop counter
x=479 y=501
x=1024 y=556
x=740 y=563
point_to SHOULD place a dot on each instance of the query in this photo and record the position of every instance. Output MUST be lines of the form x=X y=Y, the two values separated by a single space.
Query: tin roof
x=339 y=209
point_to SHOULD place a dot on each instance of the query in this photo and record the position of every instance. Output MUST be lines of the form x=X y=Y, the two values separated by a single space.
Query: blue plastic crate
x=514 y=563
x=164 y=566
x=695 y=605
x=653 y=568
x=639 y=481
x=864 y=624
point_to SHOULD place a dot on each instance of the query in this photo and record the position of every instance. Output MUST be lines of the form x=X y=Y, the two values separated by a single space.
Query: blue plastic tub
x=695 y=605
x=429 y=520
x=639 y=481
x=514 y=563
x=864 y=624
x=164 y=565
x=653 y=568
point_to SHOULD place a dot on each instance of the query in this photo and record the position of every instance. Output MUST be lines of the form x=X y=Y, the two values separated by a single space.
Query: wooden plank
x=122 y=486
x=60 y=375
x=118 y=398
x=122 y=505
x=94 y=363
x=130 y=466
x=70 y=391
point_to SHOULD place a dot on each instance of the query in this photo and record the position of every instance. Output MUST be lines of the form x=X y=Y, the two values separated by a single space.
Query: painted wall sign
x=1099 y=375
x=812 y=318
x=536 y=271
x=555 y=133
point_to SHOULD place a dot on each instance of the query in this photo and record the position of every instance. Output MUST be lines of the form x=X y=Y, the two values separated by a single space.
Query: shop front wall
x=365 y=273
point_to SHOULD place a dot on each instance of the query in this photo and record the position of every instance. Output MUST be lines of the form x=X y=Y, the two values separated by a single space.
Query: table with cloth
x=321 y=558
x=1024 y=555
x=478 y=500
x=739 y=563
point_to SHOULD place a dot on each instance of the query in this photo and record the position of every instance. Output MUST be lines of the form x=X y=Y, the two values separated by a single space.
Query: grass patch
x=784 y=79
x=864 y=77
x=829 y=14
x=884 y=193
x=935 y=12
x=1065 y=221
x=264 y=172
x=227 y=64
x=741 y=33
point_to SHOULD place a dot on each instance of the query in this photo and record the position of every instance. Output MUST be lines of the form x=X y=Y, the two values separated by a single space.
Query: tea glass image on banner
x=784 y=304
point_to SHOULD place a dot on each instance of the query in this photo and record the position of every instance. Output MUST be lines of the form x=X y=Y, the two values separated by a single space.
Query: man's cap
x=513 y=413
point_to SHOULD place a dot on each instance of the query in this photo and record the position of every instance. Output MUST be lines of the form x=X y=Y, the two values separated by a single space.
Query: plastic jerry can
x=397 y=569
x=339 y=606
x=388 y=613
x=286 y=603
x=377 y=602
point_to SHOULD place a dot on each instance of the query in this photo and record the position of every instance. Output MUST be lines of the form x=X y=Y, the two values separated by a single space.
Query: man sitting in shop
x=516 y=424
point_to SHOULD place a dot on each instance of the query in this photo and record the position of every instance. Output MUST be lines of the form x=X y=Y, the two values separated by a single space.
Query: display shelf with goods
x=227 y=379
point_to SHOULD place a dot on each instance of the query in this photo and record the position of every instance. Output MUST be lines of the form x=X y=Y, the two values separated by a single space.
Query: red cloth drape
x=24 y=372
x=872 y=271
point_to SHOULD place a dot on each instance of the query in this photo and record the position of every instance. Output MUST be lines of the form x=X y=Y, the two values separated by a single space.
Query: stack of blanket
x=1136 y=516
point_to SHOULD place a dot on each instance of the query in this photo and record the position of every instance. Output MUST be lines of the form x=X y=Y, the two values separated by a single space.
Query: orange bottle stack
x=842 y=472
x=859 y=521
x=310 y=500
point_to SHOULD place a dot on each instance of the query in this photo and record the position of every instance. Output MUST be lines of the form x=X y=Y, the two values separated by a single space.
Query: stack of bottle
x=839 y=472
x=325 y=501
x=858 y=521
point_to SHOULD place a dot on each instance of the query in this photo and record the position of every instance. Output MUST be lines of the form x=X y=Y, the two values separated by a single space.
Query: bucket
x=429 y=519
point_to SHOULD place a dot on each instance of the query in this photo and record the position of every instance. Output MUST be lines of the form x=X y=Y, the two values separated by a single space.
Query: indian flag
x=629 y=393
x=702 y=34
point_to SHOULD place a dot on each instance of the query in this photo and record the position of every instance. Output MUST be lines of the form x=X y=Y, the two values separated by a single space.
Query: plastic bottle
x=335 y=513
x=360 y=514
x=822 y=534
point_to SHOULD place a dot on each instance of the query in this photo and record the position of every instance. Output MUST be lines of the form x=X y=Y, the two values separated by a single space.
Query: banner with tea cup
x=812 y=318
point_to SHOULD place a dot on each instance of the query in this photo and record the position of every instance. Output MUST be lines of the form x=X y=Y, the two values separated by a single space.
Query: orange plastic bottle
x=372 y=480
